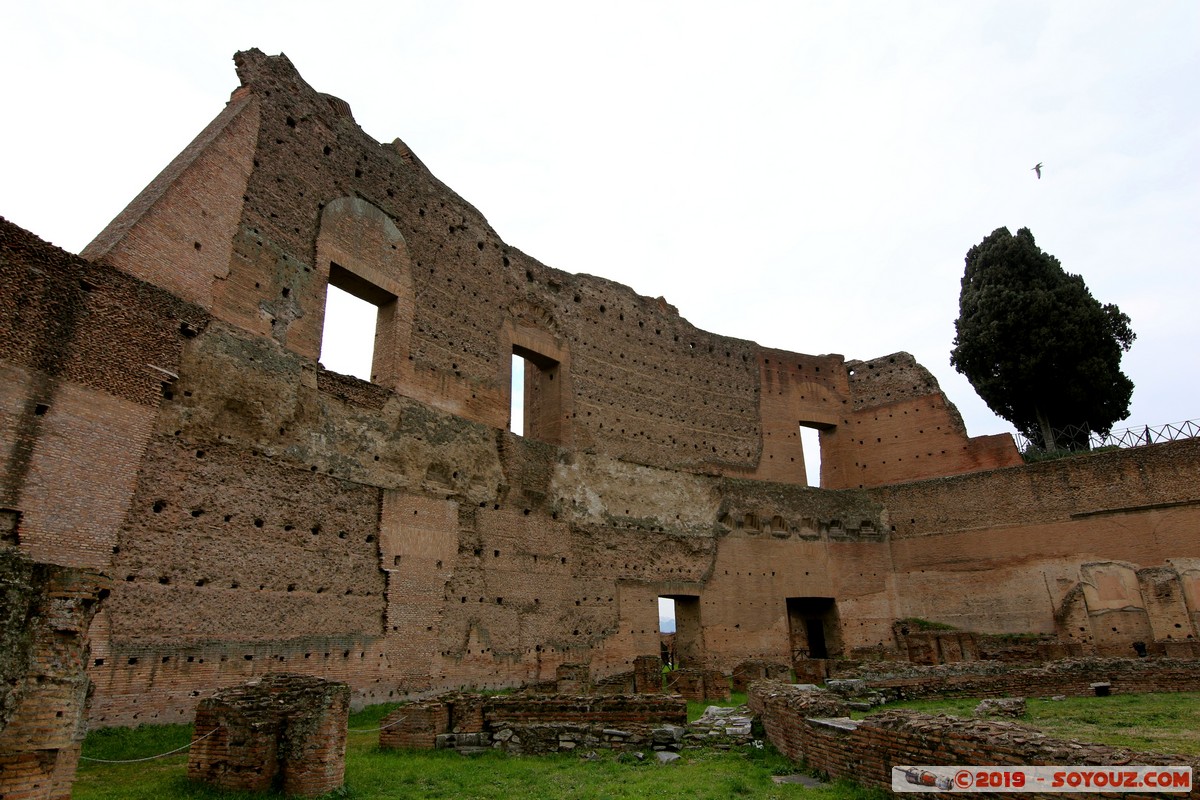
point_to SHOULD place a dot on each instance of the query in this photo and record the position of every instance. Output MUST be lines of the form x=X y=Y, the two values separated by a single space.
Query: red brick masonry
x=812 y=726
x=282 y=730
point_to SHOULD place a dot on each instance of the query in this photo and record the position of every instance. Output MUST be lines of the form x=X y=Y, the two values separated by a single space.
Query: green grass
x=374 y=774
x=1167 y=723
x=1162 y=723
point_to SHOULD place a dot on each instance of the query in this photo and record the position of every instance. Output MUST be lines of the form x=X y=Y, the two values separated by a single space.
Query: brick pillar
x=285 y=729
x=647 y=674
x=45 y=611
x=716 y=685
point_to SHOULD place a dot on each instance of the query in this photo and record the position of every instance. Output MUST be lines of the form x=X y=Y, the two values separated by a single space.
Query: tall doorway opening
x=813 y=627
x=689 y=637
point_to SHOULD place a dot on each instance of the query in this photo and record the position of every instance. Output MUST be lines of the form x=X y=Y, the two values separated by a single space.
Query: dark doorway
x=813 y=627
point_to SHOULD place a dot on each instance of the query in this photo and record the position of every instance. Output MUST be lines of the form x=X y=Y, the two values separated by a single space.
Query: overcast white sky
x=805 y=175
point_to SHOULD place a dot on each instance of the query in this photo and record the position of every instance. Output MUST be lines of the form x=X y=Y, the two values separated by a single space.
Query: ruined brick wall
x=85 y=354
x=899 y=427
x=865 y=751
x=295 y=196
x=531 y=724
x=45 y=611
x=1024 y=538
x=1073 y=677
x=282 y=731
x=261 y=513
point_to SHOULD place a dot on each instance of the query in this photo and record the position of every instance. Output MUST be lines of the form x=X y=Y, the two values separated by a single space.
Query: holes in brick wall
x=258 y=523
x=196 y=512
x=165 y=580
x=40 y=410
x=158 y=506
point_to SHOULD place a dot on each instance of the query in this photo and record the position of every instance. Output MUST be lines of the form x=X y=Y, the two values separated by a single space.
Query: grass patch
x=1161 y=723
x=374 y=774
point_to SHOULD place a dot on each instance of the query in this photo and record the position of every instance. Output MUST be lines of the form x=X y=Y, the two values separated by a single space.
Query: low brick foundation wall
x=699 y=684
x=812 y=726
x=532 y=724
x=1072 y=677
x=282 y=730
x=756 y=670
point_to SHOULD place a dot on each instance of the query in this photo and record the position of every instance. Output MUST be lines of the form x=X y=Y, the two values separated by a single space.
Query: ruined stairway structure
x=165 y=421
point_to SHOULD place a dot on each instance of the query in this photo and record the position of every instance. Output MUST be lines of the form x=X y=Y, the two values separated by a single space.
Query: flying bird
x=1038 y=169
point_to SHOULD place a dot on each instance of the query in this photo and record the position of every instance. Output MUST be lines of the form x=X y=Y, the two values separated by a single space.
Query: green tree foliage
x=1038 y=348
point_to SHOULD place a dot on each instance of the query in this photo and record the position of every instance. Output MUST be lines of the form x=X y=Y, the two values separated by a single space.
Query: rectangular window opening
x=536 y=405
x=810 y=445
x=358 y=317
x=516 y=412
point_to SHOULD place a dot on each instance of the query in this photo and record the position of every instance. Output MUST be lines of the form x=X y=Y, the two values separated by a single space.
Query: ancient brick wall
x=45 y=611
x=1023 y=539
x=1072 y=677
x=261 y=513
x=797 y=723
x=531 y=724
x=899 y=427
x=85 y=354
x=323 y=202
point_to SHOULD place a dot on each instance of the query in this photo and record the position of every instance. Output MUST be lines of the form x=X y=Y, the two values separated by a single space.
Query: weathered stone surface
x=1013 y=707
x=45 y=612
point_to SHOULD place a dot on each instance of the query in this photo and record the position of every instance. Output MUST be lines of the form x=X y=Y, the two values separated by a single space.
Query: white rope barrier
x=373 y=730
x=151 y=758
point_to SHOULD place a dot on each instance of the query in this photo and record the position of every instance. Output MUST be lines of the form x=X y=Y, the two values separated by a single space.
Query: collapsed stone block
x=285 y=732
x=1013 y=707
